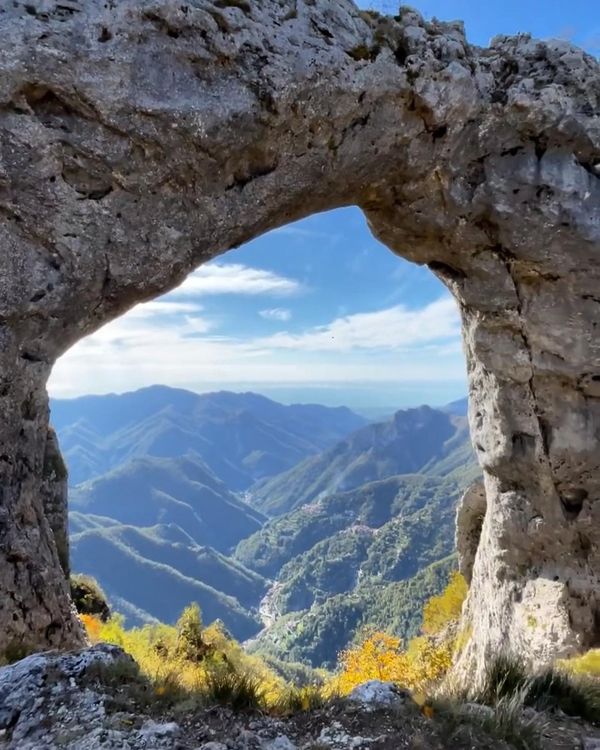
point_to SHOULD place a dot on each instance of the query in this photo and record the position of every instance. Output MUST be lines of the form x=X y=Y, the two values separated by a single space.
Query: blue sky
x=317 y=310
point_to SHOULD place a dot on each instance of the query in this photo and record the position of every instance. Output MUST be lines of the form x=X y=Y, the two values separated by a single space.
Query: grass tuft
x=575 y=695
x=239 y=691
x=507 y=722
x=296 y=699
x=500 y=707
x=503 y=721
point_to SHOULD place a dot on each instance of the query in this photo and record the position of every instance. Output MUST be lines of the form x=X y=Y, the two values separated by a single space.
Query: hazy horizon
x=366 y=399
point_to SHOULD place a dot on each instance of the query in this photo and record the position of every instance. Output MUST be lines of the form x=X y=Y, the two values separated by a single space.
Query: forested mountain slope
x=242 y=437
x=152 y=574
x=353 y=514
x=421 y=440
x=317 y=635
x=183 y=491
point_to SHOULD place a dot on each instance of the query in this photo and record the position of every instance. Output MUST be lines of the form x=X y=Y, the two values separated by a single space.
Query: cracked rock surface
x=141 y=138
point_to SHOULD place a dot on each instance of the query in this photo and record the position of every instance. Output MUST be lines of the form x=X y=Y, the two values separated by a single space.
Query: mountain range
x=294 y=525
x=345 y=553
x=182 y=491
x=241 y=437
x=421 y=440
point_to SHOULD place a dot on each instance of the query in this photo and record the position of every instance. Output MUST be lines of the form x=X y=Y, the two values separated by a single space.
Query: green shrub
x=88 y=597
x=574 y=695
x=14 y=651
x=190 y=640
x=296 y=699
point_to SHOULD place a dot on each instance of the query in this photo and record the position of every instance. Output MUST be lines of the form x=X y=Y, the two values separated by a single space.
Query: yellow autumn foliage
x=378 y=657
x=587 y=665
x=191 y=656
x=424 y=661
x=187 y=654
x=446 y=608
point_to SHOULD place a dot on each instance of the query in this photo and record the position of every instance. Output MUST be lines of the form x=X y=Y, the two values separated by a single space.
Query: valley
x=296 y=526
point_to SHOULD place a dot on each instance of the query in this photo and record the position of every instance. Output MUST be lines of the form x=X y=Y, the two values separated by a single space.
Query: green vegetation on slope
x=318 y=634
x=404 y=499
x=159 y=588
x=193 y=561
x=148 y=491
x=366 y=518
x=242 y=437
x=422 y=440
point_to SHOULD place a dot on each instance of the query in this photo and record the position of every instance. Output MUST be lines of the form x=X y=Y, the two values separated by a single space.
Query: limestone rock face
x=54 y=496
x=469 y=521
x=141 y=138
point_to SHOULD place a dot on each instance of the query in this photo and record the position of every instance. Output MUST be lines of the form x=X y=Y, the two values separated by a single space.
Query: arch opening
x=322 y=300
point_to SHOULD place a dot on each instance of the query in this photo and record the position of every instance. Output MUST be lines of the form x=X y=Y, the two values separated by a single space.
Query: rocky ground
x=90 y=700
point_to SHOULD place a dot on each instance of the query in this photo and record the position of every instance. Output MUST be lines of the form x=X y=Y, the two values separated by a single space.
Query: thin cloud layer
x=235 y=278
x=392 y=328
x=169 y=342
x=164 y=307
x=361 y=318
x=276 y=313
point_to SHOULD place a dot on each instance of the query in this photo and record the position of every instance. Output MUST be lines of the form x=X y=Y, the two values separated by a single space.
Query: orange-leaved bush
x=426 y=659
x=92 y=625
x=378 y=657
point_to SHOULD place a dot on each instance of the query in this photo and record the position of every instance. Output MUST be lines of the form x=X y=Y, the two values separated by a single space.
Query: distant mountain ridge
x=182 y=491
x=156 y=578
x=241 y=437
x=460 y=407
x=420 y=440
x=361 y=534
x=156 y=533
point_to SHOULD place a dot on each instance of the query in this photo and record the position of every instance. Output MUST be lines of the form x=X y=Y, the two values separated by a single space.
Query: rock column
x=35 y=608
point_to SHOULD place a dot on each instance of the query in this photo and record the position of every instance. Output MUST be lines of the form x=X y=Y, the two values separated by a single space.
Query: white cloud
x=276 y=313
x=150 y=345
x=293 y=230
x=163 y=307
x=392 y=328
x=235 y=278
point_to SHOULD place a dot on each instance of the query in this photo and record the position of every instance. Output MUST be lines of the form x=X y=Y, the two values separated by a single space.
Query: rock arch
x=140 y=138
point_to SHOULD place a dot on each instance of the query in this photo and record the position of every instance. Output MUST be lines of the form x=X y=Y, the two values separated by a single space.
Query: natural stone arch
x=141 y=138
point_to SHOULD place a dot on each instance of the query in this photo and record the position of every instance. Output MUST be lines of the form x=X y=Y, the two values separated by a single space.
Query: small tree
x=190 y=641
x=88 y=597
x=426 y=658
